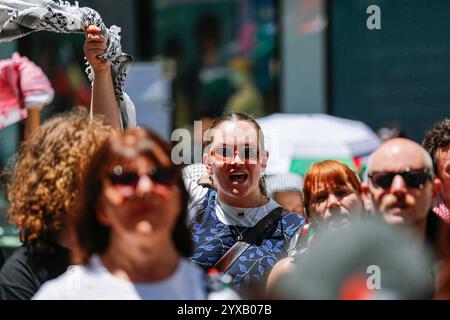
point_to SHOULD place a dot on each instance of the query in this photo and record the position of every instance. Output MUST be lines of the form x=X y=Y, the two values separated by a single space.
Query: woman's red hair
x=328 y=173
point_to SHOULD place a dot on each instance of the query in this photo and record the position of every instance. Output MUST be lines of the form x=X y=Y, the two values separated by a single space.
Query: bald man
x=402 y=184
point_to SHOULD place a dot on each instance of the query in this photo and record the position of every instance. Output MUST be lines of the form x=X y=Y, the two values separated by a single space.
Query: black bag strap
x=249 y=237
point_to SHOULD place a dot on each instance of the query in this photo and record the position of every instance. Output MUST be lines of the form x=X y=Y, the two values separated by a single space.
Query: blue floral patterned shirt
x=212 y=239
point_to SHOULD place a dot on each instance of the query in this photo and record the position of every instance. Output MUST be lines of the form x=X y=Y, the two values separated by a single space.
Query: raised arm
x=103 y=99
x=33 y=121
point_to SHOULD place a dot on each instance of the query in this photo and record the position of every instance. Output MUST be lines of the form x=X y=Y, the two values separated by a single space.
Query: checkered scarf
x=442 y=211
x=194 y=172
x=19 y=18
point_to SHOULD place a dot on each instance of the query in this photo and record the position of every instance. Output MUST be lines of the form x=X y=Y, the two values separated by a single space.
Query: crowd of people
x=104 y=213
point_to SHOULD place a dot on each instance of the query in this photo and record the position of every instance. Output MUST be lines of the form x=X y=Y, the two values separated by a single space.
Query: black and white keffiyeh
x=194 y=172
x=19 y=18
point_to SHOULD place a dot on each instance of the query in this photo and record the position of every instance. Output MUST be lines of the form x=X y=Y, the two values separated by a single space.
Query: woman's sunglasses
x=413 y=178
x=163 y=176
x=228 y=153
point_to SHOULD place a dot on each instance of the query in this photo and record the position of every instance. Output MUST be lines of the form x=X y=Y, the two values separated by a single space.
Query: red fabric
x=22 y=85
x=34 y=84
x=355 y=288
x=10 y=110
x=358 y=164
x=442 y=211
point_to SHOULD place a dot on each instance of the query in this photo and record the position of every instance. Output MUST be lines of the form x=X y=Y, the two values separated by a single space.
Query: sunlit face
x=399 y=203
x=335 y=206
x=138 y=198
x=236 y=161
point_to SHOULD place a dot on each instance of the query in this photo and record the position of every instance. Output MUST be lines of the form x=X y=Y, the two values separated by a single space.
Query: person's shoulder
x=292 y=222
x=293 y=217
x=193 y=277
x=63 y=286
x=200 y=197
x=191 y=269
x=21 y=253
x=18 y=276
x=281 y=268
x=191 y=178
x=19 y=264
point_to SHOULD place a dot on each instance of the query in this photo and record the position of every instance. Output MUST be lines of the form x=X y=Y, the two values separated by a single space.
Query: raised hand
x=94 y=46
x=103 y=98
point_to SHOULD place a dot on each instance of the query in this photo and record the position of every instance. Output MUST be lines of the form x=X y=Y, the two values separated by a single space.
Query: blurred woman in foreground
x=42 y=195
x=131 y=230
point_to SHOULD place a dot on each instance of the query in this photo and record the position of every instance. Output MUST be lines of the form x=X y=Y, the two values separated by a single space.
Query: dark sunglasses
x=163 y=176
x=245 y=153
x=413 y=178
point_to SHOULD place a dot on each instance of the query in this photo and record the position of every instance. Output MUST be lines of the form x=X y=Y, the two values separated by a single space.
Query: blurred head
x=437 y=143
x=401 y=182
x=236 y=159
x=368 y=261
x=132 y=188
x=286 y=189
x=49 y=166
x=332 y=194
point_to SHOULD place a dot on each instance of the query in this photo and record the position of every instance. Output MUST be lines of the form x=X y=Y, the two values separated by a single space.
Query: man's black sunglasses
x=413 y=178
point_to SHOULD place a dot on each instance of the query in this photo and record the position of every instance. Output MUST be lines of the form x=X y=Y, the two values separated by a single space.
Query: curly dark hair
x=45 y=177
x=437 y=137
x=92 y=236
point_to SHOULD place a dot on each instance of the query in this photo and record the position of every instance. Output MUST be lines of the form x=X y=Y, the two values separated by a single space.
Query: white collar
x=230 y=215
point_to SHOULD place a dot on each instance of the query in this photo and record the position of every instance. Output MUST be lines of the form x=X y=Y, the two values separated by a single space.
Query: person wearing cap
x=286 y=189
